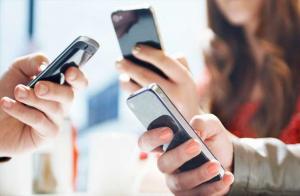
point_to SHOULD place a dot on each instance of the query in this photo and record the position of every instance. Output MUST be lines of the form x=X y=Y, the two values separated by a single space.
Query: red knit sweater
x=240 y=123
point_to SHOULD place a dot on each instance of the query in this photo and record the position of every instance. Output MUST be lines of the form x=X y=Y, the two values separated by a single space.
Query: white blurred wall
x=182 y=24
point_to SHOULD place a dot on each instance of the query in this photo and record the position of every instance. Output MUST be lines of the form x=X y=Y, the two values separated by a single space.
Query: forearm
x=266 y=166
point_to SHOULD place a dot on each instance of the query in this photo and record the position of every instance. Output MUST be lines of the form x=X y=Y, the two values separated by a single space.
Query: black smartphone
x=76 y=54
x=154 y=109
x=137 y=26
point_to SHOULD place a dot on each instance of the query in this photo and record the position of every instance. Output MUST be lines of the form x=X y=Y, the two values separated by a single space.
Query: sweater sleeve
x=266 y=166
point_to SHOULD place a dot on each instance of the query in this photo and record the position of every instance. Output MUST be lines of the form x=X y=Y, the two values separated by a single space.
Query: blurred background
x=104 y=124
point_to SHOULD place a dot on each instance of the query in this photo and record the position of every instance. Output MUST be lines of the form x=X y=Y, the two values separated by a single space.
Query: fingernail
x=22 y=93
x=72 y=76
x=165 y=134
x=42 y=67
x=193 y=147
x=42 y=89
x=7 y=104
x=213 y=168
x=136 y=50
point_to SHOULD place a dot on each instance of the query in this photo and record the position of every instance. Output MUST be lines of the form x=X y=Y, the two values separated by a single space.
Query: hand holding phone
x=137 y=26
x=154 y=109
x=76 y=54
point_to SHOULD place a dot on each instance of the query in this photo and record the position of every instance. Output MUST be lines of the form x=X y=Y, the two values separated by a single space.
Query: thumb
x=29 y=65
x=207 y=126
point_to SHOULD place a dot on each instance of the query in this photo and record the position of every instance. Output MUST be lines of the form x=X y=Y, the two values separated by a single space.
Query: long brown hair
x=234 y=71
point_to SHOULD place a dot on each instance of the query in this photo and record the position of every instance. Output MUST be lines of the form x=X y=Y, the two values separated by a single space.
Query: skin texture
x=218 y=140
x=240 y=12
x=245 y=13
x=180 y=86
x=30 y=117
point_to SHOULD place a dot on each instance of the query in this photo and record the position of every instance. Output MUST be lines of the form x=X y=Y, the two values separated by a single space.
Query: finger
x=172 y=68
x=76 y=78
x=153 y=139
x=129 y=86
x=29 y=116
x=190 y=179
x=50 y=91
x=139 y=74
x=51 y=109
x=170 y=161
x=181 y=59
x=221 y=187
x=30 y=65
x=206 y=125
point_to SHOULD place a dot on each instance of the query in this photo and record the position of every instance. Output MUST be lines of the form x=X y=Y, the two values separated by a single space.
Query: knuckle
x=200 y=175
x=218 y=187
x=39 y=55
x=57 y=109
x=176 y=184
x=207 y=121
x=38 y=58
x=212 y=118
x=72 y=69
x=19 y=109
x=38 y=119
x=214 y=122
x=198 y=121
x=72 y=95
x=161 y=164
x=180 y=155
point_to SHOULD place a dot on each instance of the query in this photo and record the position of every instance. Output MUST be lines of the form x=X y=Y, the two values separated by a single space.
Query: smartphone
x=137 y=26
x=154 y=109
x=76 y=54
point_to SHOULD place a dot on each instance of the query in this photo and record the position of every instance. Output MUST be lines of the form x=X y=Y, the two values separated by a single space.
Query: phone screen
x=136 y=27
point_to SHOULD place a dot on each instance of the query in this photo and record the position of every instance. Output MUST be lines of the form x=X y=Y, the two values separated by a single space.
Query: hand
x=217 y=139
x=180 y=87
x=29 y=117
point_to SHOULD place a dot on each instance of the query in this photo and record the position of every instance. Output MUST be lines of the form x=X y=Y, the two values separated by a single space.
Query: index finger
x=150 y=140
x=171 y=67
x=29 y=65
x=76 y=78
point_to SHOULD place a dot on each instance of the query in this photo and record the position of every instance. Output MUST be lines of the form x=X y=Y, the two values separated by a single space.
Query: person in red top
x=251 y=81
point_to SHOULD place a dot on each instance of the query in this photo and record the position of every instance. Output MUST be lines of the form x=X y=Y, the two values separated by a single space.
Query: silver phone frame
x=85 y=39
x=175 y=113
